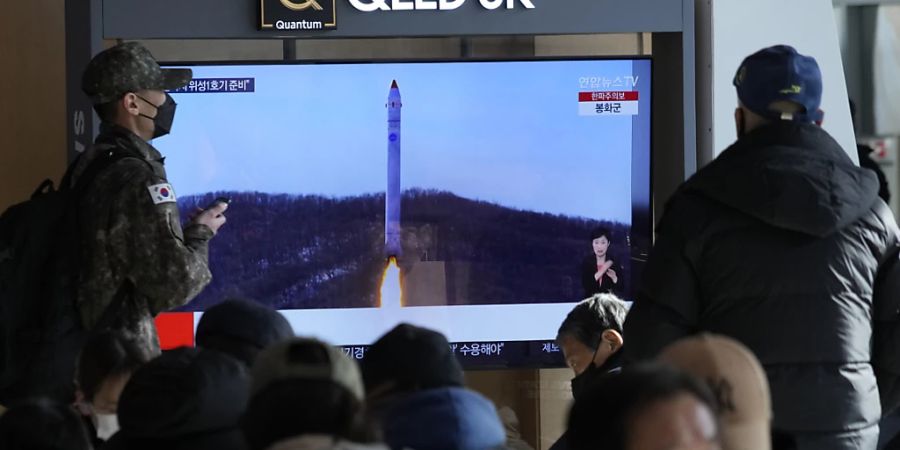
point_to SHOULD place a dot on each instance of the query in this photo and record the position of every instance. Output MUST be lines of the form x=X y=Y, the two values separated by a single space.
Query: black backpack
x=40 y=327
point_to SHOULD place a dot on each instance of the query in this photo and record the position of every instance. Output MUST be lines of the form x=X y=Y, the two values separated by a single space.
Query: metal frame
x=671 y=22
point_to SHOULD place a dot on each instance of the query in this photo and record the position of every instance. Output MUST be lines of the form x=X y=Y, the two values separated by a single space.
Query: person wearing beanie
x=307 y=395
x=186 y=399
x=242 y=329
x=416 y=391
x=783 y=244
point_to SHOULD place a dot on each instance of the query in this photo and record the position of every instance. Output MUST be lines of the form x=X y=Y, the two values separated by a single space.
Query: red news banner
x=608 y=103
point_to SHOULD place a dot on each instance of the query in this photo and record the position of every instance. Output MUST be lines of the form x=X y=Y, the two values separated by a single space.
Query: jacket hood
x=791 y=176
x=442 y=419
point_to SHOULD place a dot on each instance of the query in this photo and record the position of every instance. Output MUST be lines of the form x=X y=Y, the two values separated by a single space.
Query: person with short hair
x=783 y=244
x=307 y=395
x=416 y=392
x=645 y=407
x=105 y=365
x=241 y=328
x=42 y=424
x=591 y=339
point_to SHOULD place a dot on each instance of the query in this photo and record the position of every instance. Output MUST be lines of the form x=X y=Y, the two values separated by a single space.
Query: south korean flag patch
x=162 y=193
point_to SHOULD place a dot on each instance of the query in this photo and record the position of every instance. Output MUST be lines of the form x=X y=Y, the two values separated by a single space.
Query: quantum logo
x=442 y=5
x=297 y=15
x=300 y=6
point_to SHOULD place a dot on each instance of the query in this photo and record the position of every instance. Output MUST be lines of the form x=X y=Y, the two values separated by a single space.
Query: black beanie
x=242 y=328
x=411 y=358
x=187 y=398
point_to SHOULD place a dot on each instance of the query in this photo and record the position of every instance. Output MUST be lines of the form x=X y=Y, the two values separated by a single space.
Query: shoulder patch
x=162 y=193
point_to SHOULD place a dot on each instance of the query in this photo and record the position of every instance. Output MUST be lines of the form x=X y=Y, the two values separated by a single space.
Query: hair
x=108 y=112
x=42 y=424
x=108 y=354
x=601 y=418
x=590 y=318
x=599 y=232
x=755 y=119
x=296 y=407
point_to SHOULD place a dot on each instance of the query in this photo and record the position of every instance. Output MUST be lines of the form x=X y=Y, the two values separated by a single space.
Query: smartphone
x=215 y=202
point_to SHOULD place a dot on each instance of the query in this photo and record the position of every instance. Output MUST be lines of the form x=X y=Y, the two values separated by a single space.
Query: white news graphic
x=462 y=323
x=608 y=103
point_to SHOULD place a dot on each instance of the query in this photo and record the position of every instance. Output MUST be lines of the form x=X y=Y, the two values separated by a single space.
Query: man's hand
x=213 y=217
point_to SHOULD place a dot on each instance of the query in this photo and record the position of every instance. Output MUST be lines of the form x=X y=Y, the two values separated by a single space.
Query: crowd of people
x=768 y=315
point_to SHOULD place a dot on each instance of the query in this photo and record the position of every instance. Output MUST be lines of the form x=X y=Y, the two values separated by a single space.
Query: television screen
x=479 y=198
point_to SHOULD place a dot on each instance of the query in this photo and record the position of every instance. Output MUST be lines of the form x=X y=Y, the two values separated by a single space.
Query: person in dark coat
x=864 y=152
x=783 y=244
x=591 y=340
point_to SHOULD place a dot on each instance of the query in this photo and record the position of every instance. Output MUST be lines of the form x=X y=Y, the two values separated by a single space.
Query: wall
x=32 y=86
x=739 y=28
x=886 y=69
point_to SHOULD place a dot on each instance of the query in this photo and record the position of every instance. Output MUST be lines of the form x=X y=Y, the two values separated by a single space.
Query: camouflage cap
x=128 y=67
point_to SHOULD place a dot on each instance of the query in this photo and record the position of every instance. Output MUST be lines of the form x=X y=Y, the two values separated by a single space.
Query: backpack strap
x=101 y=162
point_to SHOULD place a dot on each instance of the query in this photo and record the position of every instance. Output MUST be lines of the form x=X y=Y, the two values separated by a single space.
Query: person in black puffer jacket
x=783 y=244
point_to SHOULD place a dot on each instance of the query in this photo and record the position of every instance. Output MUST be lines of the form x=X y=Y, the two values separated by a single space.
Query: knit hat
x=411 y=357
x=187 y=398
x=242 y=328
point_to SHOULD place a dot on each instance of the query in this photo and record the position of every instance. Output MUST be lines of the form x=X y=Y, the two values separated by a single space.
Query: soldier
x=137 y=260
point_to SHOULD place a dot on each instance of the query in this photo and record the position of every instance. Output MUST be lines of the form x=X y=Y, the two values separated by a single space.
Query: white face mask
x=107 y=425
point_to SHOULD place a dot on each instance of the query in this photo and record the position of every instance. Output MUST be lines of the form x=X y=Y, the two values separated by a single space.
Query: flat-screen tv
x=462 y=196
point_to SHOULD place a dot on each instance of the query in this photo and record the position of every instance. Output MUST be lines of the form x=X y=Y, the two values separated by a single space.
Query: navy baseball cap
x=780 y=73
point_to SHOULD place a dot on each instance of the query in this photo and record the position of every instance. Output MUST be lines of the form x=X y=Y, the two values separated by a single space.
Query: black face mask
x=583 y=379
x=165 y=115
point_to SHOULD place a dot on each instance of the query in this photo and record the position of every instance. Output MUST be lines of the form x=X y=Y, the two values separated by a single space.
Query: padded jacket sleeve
x=667 y=303
x=886 y=321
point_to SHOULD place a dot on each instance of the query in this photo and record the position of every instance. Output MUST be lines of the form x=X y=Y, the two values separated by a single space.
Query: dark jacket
x=612 y=365
x=137 y=259
x=449 y=418
x=603 y=286
x=864 y=152
x=783 y=244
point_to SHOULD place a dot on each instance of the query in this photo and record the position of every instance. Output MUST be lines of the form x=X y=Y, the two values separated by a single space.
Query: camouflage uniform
x=137 y=261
